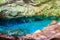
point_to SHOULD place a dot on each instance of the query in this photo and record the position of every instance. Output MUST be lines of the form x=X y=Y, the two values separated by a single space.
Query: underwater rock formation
x=51 y=32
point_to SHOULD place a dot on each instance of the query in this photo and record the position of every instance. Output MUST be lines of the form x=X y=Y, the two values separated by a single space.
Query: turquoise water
x=22 y=27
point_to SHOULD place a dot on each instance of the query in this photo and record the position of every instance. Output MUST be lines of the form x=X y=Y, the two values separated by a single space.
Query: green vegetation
x=1 y=1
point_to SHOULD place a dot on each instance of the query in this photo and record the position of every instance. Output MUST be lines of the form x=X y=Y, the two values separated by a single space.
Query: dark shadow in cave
x=55 y=39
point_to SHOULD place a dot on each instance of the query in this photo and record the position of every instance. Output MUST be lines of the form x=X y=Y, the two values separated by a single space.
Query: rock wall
x=19 y=8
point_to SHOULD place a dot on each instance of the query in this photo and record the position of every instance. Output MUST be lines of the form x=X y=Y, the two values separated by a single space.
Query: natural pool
x=23 y=26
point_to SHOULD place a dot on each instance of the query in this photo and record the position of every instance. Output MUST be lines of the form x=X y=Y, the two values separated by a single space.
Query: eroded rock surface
x=20 y=8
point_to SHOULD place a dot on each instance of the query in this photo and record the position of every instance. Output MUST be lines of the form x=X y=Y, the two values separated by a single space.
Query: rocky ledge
x=51 y=32
x=29 y=8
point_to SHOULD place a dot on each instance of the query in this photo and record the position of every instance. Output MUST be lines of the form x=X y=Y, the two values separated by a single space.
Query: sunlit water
x=18 y=27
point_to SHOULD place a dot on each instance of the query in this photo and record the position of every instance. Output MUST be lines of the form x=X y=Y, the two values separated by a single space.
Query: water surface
x=22 y=26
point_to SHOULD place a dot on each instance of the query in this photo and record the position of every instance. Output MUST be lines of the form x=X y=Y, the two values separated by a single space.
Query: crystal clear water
x=22 y=27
